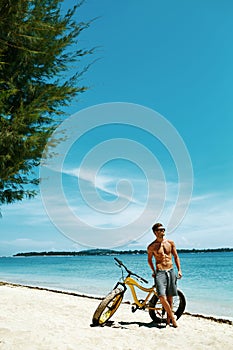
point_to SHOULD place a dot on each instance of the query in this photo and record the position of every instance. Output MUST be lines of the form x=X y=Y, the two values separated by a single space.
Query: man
x=162 y=250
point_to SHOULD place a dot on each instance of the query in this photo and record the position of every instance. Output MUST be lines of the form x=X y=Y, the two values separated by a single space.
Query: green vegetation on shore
x=115 y=252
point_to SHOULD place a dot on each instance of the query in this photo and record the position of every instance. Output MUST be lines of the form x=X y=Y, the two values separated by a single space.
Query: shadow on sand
x=123 y=324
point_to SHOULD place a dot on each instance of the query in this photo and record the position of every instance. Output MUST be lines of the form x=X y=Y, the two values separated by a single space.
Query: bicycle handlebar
x=120 y=263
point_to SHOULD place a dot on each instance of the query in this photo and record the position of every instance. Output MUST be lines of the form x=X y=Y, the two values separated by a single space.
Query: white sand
x=39 y=319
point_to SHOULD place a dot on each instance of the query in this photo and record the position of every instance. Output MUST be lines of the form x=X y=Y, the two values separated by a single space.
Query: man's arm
x=150 y=260
x=176 y=258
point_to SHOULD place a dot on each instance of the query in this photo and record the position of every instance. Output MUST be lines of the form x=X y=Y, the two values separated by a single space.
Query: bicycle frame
x=142 y=304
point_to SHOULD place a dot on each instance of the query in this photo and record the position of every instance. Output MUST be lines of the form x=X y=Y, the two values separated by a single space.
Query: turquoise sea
x=207 y=277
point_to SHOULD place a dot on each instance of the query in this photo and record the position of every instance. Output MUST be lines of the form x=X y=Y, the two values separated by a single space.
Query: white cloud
x=208 y=222
x=28 y=212
x=104 y=183
x=27 y=242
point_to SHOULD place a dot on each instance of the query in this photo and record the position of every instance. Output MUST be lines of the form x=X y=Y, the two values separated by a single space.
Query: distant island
x=115 y=252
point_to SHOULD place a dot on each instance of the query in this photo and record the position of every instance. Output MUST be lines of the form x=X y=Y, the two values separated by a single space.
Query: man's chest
x=163 y=248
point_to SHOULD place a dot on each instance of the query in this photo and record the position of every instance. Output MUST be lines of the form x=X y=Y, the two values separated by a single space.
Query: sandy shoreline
x=38 y=318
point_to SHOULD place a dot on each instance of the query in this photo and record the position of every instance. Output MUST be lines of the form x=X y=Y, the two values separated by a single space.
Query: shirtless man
x=162 y=250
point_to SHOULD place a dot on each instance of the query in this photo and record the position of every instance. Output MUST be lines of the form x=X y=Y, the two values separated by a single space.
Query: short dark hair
x=156 y=226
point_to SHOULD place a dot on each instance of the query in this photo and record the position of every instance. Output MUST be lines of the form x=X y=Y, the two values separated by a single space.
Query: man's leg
x=167 y=304
x=169 y=299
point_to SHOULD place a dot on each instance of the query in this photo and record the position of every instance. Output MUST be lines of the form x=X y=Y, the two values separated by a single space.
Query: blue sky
x=173 y=57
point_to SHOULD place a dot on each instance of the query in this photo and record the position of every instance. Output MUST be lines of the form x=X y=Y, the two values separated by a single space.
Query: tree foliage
x=38 y=45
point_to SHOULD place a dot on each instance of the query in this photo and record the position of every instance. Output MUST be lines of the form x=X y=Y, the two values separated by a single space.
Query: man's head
x=158 y=229
x=158 y=226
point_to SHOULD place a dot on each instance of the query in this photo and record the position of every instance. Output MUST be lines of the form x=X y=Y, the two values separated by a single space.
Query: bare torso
x=162 y=251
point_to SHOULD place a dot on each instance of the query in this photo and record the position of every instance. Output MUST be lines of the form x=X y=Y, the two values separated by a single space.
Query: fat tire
x=178 y=312
x=107 y=307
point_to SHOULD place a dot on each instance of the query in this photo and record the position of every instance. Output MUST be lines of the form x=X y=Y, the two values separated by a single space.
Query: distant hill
x=115 y=252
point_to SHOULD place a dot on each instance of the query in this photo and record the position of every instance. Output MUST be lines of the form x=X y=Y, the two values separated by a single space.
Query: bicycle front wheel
x=107 y=307
x=157 y=314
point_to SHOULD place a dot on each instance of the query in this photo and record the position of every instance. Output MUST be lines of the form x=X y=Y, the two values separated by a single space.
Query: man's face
x=160 y=233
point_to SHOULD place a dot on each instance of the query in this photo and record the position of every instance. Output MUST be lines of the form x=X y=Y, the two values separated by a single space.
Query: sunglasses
x=161 y=229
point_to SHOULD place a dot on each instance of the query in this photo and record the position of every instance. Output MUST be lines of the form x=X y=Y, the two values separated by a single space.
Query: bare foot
x=175 y=325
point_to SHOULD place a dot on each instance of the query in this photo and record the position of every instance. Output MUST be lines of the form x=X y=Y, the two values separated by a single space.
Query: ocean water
x=207 y=277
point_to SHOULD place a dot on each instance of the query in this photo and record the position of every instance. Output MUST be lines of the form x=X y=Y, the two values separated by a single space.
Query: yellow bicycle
x=112 y=301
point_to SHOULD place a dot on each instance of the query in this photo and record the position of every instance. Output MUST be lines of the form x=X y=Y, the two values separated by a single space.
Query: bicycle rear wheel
x=178 y=307
x=107 y=307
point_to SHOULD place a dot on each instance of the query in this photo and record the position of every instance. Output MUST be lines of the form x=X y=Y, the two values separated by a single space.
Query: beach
x=36 y=318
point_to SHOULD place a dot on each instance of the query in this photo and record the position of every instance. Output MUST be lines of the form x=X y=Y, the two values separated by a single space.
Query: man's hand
x=179 y=274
